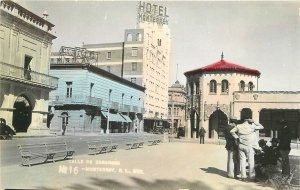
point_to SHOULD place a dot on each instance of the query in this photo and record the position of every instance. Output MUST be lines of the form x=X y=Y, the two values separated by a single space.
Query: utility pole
x=108 y=107
x=172 y=114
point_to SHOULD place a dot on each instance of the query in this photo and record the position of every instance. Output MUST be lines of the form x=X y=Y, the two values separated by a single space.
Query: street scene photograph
x=149 y=95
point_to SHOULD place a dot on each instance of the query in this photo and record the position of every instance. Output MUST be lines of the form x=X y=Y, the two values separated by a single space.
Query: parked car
x=180 y=132
x=160 y=130
x=6 y=132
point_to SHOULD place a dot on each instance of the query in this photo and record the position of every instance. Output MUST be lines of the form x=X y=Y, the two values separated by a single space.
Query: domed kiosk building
x=222 y=90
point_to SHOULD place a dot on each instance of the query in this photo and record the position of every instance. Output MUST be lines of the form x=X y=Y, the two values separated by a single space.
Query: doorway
x=217 y=123
x=22 y=114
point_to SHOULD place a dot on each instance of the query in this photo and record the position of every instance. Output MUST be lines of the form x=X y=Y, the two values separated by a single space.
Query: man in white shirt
x=246 y=137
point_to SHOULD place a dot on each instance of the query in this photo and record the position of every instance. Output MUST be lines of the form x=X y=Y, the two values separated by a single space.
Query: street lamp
x=172 y=114
x=108 y=107
x=131 y=124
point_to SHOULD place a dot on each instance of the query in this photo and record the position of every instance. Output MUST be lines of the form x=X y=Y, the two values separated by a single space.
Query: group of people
x=246 y=152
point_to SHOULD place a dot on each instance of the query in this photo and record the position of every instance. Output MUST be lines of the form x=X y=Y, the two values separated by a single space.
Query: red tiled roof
x=223 y=65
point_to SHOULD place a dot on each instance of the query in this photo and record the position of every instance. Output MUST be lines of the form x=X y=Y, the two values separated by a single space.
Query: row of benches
x=50 y=152
x=99 y=146
x=133 y=143
x=45 y=152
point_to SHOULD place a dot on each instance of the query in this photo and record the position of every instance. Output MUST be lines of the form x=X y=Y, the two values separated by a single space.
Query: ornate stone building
x=176 y=107
x=222 y=90
x=25 y=45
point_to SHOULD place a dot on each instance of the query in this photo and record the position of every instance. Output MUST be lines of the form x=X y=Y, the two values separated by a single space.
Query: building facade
x=85 y=93
x=177 y=105
x=222 y=90
x=25 y=46
x=143 y=58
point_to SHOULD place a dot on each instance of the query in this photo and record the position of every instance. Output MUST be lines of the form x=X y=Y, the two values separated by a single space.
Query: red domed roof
x=223 y=65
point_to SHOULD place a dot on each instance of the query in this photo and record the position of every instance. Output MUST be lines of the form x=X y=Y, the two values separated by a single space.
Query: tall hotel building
x=143 y=58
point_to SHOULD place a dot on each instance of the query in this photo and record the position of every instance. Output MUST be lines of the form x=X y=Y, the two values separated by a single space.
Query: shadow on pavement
x=140 y=184
x=215 y=171
x=158 y=184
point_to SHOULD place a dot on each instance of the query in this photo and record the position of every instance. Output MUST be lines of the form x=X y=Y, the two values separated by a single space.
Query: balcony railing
x=20 y=74
x=135 y=109
x=80 y=100
x=124 y=108
x=114 y=105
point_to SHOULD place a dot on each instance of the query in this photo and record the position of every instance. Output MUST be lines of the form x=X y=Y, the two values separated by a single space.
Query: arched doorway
x=217 y=123
x=22 y=114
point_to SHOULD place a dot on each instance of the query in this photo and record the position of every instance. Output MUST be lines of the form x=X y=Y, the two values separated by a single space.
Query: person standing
x=233 y=167
x=245 y=136
x=202 y=135
x=64 y=127
x=284 y=146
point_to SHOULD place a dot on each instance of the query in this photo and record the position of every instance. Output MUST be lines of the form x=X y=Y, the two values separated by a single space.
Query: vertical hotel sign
x=152 y=13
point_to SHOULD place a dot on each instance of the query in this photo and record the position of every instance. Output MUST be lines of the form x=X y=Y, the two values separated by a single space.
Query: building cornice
x=267 y=92
x=98 y=71
x=20 y=12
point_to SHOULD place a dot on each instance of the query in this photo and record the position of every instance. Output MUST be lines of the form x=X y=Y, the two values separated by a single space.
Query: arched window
x=250 y=86
x=213 y=86
x=129 y=37
x=138 y=37
x=225 y=86
x=242 y=86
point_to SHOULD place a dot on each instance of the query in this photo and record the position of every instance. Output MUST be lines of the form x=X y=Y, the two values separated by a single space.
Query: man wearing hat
x=284 y=146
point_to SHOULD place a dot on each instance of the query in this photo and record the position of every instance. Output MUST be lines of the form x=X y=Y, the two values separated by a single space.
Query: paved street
x=10 y=152
x=168 y=166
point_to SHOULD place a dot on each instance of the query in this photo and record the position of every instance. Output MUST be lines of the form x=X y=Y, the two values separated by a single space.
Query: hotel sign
x=152 y=13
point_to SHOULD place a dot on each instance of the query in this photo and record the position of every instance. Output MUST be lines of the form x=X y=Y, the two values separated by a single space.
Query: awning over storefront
x=114 y=117
x=127 y=118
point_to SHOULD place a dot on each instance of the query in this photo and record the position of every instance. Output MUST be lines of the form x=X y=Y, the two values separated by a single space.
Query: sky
x=258 y=35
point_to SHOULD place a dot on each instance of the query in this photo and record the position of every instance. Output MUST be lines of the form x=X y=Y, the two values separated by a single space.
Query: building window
x=129 y=37
x=159 y=42
x=69 y=89
x=138 y=37
x=169 y=110
x=92 y=90
x=134 y=51
x=134 y=66
x=242 y=86
x=197 y=88
x=213 y=86
x=225 y=86
x=27 y=69
x=250 y=86
x=108 y=68
x=133 y=80
x=108 y=56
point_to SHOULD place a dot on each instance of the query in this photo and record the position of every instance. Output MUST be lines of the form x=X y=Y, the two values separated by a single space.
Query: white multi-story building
x=143 y=58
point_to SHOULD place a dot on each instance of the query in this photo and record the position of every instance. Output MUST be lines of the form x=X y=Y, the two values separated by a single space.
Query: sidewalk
x=168 y=166
x=295 y=151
